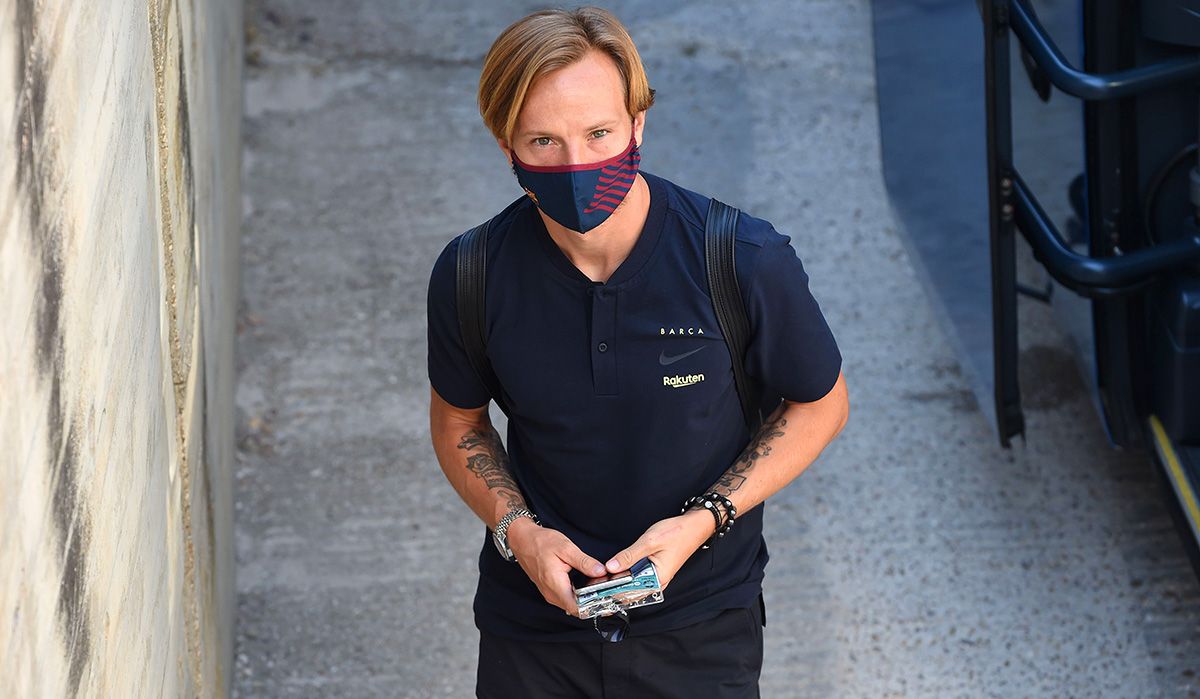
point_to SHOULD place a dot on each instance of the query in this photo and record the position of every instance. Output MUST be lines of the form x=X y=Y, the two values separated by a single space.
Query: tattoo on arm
x=759 y=446
x=491 y=464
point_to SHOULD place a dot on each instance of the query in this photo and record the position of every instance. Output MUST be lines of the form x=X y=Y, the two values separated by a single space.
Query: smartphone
x=583 y=584
x=612 y=594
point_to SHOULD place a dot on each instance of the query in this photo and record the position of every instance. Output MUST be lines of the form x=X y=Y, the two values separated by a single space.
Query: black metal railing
x=1013 y=207
x=1091 y=86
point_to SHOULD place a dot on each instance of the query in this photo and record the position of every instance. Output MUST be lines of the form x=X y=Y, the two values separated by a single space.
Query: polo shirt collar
x=642 y=250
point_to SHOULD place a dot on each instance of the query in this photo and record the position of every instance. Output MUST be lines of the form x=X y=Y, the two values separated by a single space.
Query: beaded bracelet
x=711 y=501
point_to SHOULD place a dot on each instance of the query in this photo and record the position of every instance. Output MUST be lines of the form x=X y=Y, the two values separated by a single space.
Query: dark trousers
x=716 y=659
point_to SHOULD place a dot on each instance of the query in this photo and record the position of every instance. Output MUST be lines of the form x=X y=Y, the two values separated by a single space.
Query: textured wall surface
x=119 y=213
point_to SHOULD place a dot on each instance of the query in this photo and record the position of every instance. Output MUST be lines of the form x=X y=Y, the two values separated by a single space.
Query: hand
x=668 y=543
x=547 y=555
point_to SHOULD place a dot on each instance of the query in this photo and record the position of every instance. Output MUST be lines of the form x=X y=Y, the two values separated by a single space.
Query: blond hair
x=545 y=41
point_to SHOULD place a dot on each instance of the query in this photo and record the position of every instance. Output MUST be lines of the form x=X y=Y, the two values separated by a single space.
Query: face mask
x=580 y=197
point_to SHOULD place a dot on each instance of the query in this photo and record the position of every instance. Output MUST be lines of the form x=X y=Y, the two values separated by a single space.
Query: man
x=621 y=398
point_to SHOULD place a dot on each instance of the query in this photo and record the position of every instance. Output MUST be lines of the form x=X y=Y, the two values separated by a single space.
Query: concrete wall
x=119 y=213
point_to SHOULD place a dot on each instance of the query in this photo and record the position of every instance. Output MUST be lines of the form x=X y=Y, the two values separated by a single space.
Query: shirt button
x=603 y=347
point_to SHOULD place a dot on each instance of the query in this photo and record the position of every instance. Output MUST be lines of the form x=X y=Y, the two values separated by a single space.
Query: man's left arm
x=789 y=440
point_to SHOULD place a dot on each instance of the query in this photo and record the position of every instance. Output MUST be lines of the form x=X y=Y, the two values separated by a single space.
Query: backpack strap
x=471 y=278
x=720 y=229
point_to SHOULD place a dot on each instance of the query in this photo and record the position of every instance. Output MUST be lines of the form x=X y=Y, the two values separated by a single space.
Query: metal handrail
x=1093 y=86
x=1072 y=268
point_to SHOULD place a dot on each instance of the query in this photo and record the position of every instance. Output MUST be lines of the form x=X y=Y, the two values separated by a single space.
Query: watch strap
x=501 y=531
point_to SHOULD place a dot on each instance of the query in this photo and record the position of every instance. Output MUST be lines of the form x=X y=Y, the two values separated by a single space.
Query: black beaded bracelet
x=711 y=501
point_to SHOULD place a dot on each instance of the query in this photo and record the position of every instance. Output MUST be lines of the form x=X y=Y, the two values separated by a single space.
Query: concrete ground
x=915 y=558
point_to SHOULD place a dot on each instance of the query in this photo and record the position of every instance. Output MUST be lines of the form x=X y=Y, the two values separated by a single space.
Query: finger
x=625 y=559
x=582 y=562
x=565 y=593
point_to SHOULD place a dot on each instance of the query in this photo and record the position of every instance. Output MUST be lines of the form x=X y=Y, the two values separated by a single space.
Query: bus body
x=1073 y=125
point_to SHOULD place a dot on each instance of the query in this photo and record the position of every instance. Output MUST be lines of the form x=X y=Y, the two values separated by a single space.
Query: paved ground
x=916 y=558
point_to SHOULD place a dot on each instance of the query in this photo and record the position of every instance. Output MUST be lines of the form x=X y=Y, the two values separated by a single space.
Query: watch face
x=504 y=552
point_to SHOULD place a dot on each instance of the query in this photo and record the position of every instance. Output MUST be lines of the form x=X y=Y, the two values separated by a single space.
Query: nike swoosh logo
x=665 y=360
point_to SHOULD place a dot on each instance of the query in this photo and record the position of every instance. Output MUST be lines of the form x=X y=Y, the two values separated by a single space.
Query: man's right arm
x=473 y=458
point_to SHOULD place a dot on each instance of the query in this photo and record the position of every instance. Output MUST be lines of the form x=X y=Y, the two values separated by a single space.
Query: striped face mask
x=580 y=197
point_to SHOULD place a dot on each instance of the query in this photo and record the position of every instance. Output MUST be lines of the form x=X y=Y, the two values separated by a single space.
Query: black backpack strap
x=471 y=278
x=720 y=229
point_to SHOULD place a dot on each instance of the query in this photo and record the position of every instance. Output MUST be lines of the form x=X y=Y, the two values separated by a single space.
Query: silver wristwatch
x=500 y=536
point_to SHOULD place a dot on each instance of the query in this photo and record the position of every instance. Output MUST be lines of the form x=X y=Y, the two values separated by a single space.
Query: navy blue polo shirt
x=621 y=396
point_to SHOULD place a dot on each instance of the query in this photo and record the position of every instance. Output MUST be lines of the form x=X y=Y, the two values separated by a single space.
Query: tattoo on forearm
x=759 y=446
x=491 y=464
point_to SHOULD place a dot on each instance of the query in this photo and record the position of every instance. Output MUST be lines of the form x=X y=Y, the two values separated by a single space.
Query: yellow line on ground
x=1179 y=480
